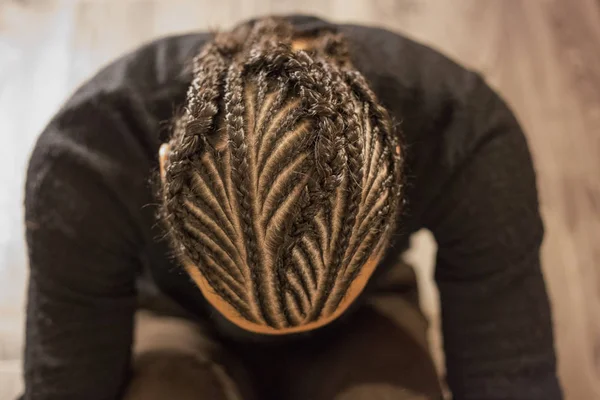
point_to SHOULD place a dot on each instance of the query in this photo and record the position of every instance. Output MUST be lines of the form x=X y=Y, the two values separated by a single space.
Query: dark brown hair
x=283 y=176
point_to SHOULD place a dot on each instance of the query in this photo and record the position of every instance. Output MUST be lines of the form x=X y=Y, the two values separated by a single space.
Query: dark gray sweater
x=91 y=226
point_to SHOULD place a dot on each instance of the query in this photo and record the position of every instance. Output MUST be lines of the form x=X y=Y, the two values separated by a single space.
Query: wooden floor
x=542 y=55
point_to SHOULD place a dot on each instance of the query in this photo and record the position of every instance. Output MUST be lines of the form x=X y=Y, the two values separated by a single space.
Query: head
x=281 y=178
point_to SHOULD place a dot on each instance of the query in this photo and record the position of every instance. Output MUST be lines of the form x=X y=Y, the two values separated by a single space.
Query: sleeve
x=496 y=318
x=82 y=247
x=90 y=218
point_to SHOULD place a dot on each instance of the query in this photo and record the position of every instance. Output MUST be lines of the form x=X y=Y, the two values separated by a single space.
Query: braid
x=234 y=109
x=282 y=179
x=186 y=142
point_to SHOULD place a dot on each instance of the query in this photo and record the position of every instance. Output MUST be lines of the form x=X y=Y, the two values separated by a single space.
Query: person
x=245 y=198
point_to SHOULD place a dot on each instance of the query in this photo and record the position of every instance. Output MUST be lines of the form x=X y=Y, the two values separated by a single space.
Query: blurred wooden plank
x=11 y=384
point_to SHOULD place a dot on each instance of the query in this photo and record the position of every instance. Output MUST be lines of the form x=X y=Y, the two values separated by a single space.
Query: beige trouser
x=378 y=353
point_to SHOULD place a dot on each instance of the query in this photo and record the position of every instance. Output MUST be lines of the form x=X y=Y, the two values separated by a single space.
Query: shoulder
x=147 y=68
x=432 y=98
x=105 y=138
x=131 y=96
x=417 y=83
x=446 y=113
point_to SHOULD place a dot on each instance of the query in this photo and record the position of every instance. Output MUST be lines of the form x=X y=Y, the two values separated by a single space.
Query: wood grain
x=542 y=55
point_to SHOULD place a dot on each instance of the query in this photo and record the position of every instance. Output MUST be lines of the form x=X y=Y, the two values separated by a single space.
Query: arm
x=470 y=180
x=83 y=260
x=88 y=222
x=495 y=313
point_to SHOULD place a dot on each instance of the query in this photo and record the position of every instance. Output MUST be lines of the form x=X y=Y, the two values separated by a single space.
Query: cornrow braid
x=282 y=180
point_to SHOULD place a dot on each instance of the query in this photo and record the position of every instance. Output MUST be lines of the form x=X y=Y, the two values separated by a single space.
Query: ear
x=163 y=153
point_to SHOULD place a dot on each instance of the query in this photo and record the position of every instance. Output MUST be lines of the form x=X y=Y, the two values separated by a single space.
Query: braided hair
x=281 y=186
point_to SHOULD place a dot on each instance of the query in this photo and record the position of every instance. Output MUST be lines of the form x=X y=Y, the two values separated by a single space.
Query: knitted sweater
x=91 y=218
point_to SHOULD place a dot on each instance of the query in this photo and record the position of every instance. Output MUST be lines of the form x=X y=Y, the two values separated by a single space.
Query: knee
x=168 y=375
